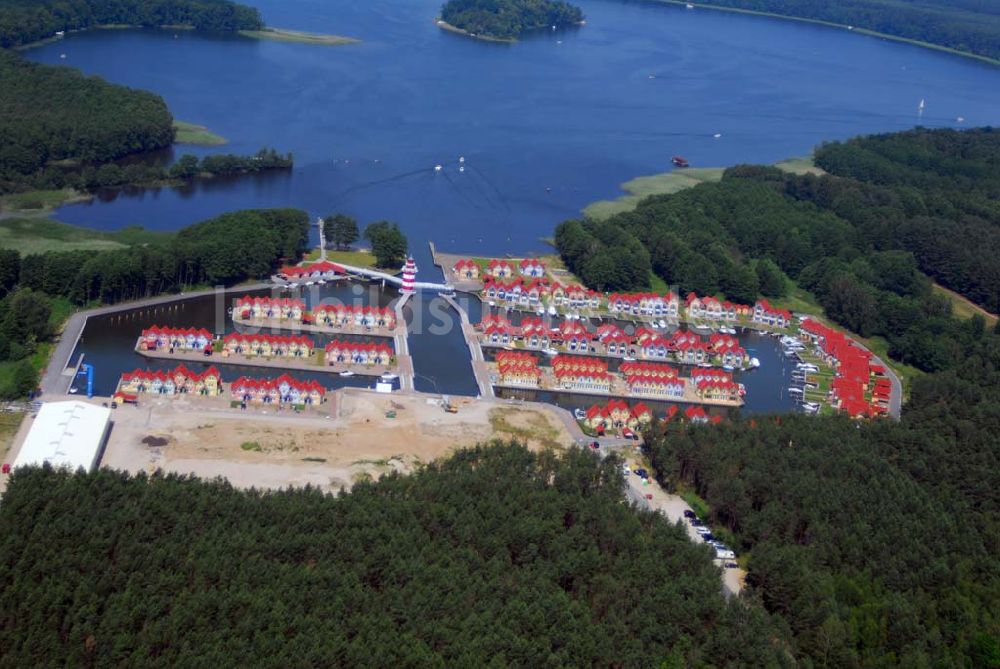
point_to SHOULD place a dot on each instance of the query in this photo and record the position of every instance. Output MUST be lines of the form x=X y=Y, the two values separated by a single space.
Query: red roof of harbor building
x=322 y=266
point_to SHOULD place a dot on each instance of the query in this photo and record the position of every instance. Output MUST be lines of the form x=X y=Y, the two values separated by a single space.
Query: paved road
x=55 y=382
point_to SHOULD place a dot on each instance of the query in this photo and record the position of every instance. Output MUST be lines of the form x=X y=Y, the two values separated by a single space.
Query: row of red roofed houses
x=861 y=388
x=258 y=307
x=183 y=339
x=498 y=268
x=533 y=292
x=281 y=390
x=517 y=368
x=358 y=353
x=616 y=415
x=574 y=372
x=267 y=346
x=652 y=379
x=334 y=315
x=608 y=339
x=179 y=380
x=340 y=315
x=320 y=270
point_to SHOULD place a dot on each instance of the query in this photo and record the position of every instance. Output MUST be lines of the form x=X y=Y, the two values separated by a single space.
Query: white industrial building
x=66 y=435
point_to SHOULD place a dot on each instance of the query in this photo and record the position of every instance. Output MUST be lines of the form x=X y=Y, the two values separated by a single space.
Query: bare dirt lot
x=350 y=438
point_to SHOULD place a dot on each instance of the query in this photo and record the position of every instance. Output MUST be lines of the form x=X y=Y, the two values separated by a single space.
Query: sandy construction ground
x=350 y=437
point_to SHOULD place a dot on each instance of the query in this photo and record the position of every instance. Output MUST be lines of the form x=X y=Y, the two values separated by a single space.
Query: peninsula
x=506 y=20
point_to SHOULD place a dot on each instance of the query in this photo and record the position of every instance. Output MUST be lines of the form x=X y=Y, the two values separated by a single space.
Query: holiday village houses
x=281 y=390
x=269 y=308
x=609 y=340
x=178 y=381
x=329 y=315
x=359 y=353
x=267 y=346
x=617 y=415
x=861 y=387
x=158 y=338
x=342 y=315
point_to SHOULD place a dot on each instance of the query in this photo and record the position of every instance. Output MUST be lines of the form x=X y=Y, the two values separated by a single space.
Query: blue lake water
x=546 y=125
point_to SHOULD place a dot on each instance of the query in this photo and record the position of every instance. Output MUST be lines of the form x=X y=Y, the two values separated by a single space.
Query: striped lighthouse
x=409 y=275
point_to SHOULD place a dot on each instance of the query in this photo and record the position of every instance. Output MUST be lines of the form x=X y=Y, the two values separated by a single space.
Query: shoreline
x=444 y=25
x=297 y=36
x=842 y=26
x=667 y=183
x=265 y=33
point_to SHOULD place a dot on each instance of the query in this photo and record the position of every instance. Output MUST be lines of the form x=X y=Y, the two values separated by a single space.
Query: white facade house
x=66 y=435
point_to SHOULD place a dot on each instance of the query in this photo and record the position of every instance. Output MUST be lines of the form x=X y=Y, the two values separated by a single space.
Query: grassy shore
x=964 y=308
x=841 y=26
x=38 y=201
x=359 y=258
x=298 y=36
x=668 y=183
x=38 y=235
x=191 y=133
x=657 y=184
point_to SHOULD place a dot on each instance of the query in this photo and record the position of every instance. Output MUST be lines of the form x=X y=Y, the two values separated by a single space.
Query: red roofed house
x=765 y=314
x=532 y=267
x=500 y=269
x=323 y=269
x=466 y=269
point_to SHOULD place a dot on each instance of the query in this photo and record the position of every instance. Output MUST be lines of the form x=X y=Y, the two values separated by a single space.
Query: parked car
x=724 y=554
x=642 y=473
x=732 y=565
x=626 y=469
x=702 y=530
x=688 y=513
x=696 y=523
x=595 y=445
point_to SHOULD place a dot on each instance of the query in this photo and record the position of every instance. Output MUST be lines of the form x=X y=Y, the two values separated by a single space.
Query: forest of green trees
x=61 y=129
x=509 y=19
x=223 y=250
x=907 y=205
x=877 y=543
x=25 y=21
x=494 y=557
x=51 y=116
x=965 y=25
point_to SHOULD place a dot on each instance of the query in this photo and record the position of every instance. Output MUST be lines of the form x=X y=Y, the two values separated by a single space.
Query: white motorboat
x=579 y=414
x=628 y=358
x=347 y=373
x=389 y=376
x=550 y=351
x=728 y=368
x=754 y=362
x=793 y=389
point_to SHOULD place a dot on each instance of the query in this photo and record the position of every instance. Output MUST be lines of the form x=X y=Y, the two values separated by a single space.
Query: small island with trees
x=506 y=20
